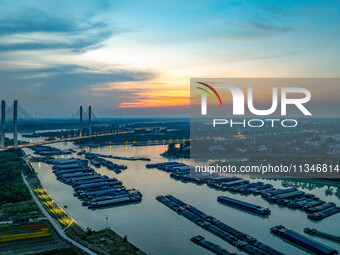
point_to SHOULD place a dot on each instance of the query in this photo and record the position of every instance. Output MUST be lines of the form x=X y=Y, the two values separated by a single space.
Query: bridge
x=18 y=112
x=69 y=139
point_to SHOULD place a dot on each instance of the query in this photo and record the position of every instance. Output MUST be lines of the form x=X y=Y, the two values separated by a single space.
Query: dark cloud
x=60 y=89
x=268 y=27
x=70 y=77
x=265 y=21
x=76 y=30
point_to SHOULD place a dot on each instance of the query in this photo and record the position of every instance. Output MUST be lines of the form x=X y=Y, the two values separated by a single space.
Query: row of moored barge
x=328 y=236
x=98 y=161
x=233 y=236
x=83 y=152
x=95 y=190
x=44 y=150
x=290 y=197
x=303 y=241
x=201 y=241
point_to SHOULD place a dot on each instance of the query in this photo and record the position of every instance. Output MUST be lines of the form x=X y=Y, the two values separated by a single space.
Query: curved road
x=54 y=223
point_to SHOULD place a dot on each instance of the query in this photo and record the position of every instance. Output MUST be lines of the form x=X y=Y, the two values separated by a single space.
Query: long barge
x=101 y=179
x=315 y=232
x=110 y=182
x=320 y=207
x=69 y=162
x=63 y=177
x=258 y=188
x=104 y=192
x=74 y=180
x=75 y=170
x=218 y=228
x=300 y=203
x=277 y=192
x=325 y=213
x=95 y=163
x=159 y=164
x=223 y=179
x=312 y=204
x=115 y=201
x=244 y=205
x=67 y=166
x=244 y=189
x=201 y=241
x=123 y=193
x=233 y=183
x=287 y=195
x=303 y=241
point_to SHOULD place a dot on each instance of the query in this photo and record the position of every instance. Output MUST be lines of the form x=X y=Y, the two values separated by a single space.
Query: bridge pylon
x=90 y=121
x=3 y=121
x=81 y=122
x=15 y=123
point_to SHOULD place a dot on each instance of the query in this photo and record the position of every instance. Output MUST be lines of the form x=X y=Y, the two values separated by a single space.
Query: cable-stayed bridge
x=15 y=113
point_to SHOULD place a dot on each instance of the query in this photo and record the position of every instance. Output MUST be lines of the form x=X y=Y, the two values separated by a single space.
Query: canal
x=157 y=230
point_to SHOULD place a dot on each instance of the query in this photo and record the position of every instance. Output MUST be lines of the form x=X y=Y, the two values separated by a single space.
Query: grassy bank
x=24 y=229
x=15 y=200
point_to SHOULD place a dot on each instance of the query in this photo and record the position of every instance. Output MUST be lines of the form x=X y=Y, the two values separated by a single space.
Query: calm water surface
x=156 y=229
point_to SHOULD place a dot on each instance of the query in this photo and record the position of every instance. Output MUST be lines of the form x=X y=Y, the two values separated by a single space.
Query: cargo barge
x=72 y=181
x=320 y=207
x=122 y=193
x=244 y=189
x=109 y=182
x=83 y=152
x=257 y=189
x=287 y=195
x=315 y=232
x=115 y=201
x=200 y=240
x=303 y=241
x=236 y=238
x=95 y=163
x=277 y=192
x=324 y=213
x=100 y=179
x=243 y=205
x=105 y=191
x=312 y=204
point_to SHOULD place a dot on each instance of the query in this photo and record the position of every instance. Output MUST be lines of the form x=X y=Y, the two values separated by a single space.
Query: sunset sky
x=136 y=58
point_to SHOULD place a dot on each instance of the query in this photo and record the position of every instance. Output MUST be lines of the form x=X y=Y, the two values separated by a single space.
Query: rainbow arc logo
x=211 y=89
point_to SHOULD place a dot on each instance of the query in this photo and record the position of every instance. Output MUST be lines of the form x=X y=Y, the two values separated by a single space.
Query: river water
x=156 y=229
